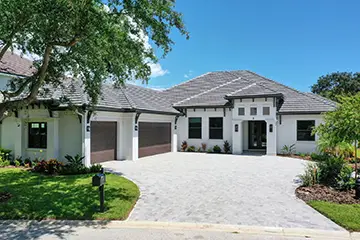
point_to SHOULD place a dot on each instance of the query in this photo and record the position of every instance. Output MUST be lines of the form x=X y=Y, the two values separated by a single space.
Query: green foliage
x=336 y=84
x=227 y=147
x=28 y=162
x=288 y=149
x=199 y=149
x=318 y=157
x=191 y=149
x=216 y=149
x=342 y=149
x=209 y=150
x=38 y=197
x=184 y=146
x=17 y=163
x=6 y=154
x=311 y=175
x=4 y=163
x=75 y=166
x=96 y=41
x=330 y=169
x=344 y=180
x=74 y=162
x=95 y=168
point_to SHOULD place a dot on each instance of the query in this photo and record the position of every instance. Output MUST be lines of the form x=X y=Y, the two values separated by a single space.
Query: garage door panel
x=154 y=138
x=103 y=141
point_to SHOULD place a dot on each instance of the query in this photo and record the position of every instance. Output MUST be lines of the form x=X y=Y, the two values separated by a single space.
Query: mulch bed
x=5 y=196
x=308 y=158
x=324 y=193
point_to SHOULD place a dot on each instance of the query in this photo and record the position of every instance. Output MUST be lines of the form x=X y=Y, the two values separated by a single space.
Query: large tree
x=343 y=124
x=90 y=40
x=337 y=84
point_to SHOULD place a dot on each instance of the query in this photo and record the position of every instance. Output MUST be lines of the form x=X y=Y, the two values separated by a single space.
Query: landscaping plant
x=191 y=149
x=216 y=149
x=330 y=169
x=203 y=147
x=311 y=175
x=288 y=149
x=344 y=180
x=48 y=167
x=184 y=146
x=227 y=147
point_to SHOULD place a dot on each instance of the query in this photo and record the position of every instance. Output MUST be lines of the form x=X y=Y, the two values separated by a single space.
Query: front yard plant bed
x=340 y=206
x=37 y=196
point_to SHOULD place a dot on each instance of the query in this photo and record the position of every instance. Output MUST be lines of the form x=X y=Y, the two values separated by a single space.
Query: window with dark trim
x=253 y=111
x=266 y=110
x=304 y=130
x=216 y=128
x=195 y=127
x=241 y=111
x=37 y=135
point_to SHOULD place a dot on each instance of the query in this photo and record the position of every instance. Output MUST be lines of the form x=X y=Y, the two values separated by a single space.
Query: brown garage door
x=154 y=138
x=103 y=141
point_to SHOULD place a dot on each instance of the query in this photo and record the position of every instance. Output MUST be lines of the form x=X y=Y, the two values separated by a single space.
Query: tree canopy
x=343 y=124
x=337 y=84
x=92 y=40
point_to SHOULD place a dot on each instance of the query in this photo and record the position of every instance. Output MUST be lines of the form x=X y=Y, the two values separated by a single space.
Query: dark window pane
x=266 y=110
x=37 y=137
x=194 y=127
x=253 y=111
x=216 y=128
x=241 y=111
x=304 y=130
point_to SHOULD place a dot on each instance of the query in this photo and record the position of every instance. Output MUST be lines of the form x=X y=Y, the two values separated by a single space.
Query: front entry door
x=257 y=134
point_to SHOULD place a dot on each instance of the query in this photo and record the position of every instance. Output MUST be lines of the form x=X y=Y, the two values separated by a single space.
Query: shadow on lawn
x=19 y=230
x=37 y=197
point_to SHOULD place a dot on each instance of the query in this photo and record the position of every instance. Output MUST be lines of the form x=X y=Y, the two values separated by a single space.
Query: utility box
x=98 y=180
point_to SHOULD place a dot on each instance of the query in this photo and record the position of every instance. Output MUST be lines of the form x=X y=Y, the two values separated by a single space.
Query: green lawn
x=346 y=215
x=64 y=197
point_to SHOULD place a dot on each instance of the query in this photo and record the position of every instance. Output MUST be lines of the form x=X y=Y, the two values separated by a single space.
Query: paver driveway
x=226 y=189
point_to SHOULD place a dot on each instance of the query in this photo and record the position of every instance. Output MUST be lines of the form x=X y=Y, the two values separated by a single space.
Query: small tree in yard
x=91 y=40
x=343 y=124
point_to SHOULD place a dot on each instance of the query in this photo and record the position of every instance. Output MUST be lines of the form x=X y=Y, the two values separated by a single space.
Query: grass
x=346 y=215
x=36 y=196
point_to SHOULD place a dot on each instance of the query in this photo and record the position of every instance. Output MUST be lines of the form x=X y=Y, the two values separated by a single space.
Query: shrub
x=48 y=167
x=216 y=149
x=288 y=149
x=28 y=162
x=330 y=169
x=95 y=168
x=3 y=162
x=343 y=149
x=199 y=149
x=203 y=147
x=345 y=181
x=227 y=147
x=318 y=157
x=191 y=149
x=6 y=154
x=209 y=150
x=184 y=146
x=311 y=175
x=16 y=163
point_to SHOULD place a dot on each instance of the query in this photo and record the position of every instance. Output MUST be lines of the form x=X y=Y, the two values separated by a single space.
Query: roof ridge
x=187 y=81
x=207 y=91
x=239 y=90
x=130 y=101
x=318 y=96
x=292 y=89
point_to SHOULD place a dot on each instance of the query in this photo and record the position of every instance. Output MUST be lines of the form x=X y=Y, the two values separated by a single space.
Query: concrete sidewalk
x=156 y=230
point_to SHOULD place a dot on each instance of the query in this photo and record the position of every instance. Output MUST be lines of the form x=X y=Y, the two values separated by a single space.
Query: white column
x=18 y=132
x=174 y=136
x=86 y=141
x=271 y=137
x=237 y=138
x=53 y=150
x=135 y=140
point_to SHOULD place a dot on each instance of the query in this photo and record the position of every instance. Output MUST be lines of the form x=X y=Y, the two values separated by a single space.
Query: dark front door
x=154 y=138
x=257 y=134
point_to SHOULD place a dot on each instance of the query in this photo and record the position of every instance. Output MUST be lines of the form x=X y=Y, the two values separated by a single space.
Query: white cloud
x=188 y=74
x=157 y=70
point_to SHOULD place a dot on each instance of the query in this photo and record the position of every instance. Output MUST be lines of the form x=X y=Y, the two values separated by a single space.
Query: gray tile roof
x=211 y=89
x=13 y=64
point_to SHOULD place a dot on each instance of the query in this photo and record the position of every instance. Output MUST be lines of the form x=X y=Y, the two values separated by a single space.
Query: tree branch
x=67 y=44
x=4 y=49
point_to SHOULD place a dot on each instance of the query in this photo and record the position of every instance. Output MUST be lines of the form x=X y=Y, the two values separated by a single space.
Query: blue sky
x=290 y=41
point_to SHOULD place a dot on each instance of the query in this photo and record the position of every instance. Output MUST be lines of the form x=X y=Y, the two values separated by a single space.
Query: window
x=216 y=128
x=241 y=111
x=304 y=129
x=37 y=135
x=253 y=111
x=266 y=110
x=195 y=127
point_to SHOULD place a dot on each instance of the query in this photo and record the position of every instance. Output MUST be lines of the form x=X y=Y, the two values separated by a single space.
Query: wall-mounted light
x=270 y=128
x=236 y=127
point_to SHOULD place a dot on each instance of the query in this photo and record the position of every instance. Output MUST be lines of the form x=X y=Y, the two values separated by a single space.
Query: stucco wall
x=183 y=130
x=69 y=134
x=287 y=132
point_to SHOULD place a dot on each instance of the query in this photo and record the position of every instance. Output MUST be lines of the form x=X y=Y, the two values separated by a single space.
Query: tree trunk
x=356 y=166
x=4 y=49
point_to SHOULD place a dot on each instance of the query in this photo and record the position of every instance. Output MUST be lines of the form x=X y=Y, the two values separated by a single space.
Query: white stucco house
x=251 y=112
